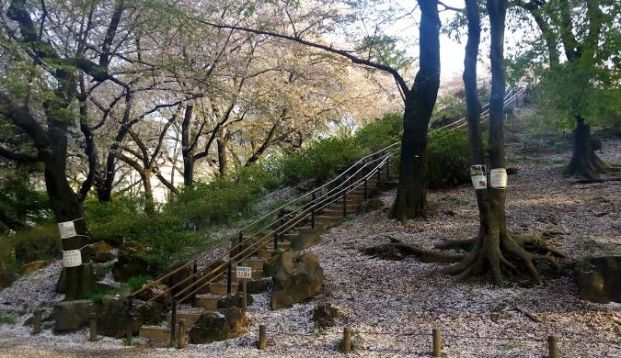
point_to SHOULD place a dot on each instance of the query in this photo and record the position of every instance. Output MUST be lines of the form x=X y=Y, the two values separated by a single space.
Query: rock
x=153 y=290
x=306 y=239
x=235 y=300
x=100 y=251
x=325 y=315
x=128 y=266
x=598 y=279
x=112 y=318
x=217 y=326
x=100 y=271
x=33 y=266
x=103 y=257
x=7 y=279
x=297 y=277
x=71 y=316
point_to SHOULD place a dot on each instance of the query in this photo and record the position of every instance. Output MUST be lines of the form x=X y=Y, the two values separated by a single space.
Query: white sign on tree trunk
x=67 y=229
x=72 y=258
x=498 y=178
x=243 y=272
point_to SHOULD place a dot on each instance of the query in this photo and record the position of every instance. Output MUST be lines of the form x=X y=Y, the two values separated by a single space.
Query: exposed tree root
x=505 y=255
x=457 y=245
x=397 y=250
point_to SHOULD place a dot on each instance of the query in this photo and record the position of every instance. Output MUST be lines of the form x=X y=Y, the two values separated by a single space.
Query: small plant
x=136 y=282
x=8 y=318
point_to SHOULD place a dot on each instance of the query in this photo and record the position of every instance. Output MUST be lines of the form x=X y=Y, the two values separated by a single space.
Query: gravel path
x=393 y=305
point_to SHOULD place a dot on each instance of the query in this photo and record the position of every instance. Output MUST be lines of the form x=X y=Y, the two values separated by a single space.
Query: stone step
x=208 y=301
x=190 y=315
x=155 y=335
x=220 y=288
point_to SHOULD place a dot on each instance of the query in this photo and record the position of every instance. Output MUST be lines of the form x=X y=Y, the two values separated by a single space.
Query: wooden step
x=208 y=301
x=155 y=335
x=255 y=263
x=219 y=288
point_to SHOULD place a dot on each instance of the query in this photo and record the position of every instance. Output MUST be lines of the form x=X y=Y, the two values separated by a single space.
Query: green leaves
x=384 y=49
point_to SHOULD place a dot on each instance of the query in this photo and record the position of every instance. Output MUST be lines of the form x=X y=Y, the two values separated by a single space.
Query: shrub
x=321 y=160
x=38 y=243
x=380 y=134
x=448 y=158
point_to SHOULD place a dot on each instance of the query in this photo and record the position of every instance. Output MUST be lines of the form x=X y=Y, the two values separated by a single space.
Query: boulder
x=100 y=251
x=33 y=266
x=71 y=316
x=598 y=279
x=113 y=320
x=155 y=291
x=296 y=277
x=7 y=279
x=217 y=326
x=129 y=265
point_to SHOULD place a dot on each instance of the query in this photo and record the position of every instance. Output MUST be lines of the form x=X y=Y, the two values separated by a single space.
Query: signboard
x=498 y=178
x=66 y=229
x=72 y=258
x=243 y=272
x=477 y=174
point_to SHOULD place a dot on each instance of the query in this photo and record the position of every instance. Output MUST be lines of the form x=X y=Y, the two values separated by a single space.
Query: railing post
x=379 y=175
x=365 y=189
x=313 y=211
x=229 y=277
x=344 y=202
x=194 y=272
x=173 y=321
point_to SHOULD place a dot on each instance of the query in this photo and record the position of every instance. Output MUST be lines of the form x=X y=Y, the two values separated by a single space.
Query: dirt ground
x=392 y=306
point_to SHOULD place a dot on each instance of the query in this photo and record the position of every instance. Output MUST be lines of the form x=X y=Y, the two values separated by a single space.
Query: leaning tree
x=419 y=99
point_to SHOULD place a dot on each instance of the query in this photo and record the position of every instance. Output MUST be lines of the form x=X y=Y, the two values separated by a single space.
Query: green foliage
x=37 y=243
x=381 y=133
x=320 y=160
x=161 y=237
x=135 y=283
x=448 y=158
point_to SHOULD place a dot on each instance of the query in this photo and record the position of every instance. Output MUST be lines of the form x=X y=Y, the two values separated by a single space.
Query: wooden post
x=229 y=277
x=365 y=189
x=344 y=202
x=245 y=294
x=553 y=351
x=37 y=319
x=173 y=322
x=92 y=325
x=437 y=342
x=346 y=339
x=262 y=337
x=194 y=272
x=181 y=335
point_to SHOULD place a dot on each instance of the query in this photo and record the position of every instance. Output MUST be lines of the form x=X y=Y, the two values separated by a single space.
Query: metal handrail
x=328 y=198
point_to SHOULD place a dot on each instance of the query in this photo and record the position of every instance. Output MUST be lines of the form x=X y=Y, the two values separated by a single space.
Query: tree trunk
x=222 y=156
x=187 y=151
x=149 y=202
x=411 y=199
x=494 y=248
x=584 y=162
x=76 y=282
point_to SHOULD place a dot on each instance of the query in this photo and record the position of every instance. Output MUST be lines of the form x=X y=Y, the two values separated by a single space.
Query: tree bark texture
x=411 y=199
x=584 y=162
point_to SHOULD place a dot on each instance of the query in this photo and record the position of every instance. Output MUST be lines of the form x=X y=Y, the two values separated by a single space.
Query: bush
x=321 y=160
x=38 y=243
x=380 y=134
x=448 y=159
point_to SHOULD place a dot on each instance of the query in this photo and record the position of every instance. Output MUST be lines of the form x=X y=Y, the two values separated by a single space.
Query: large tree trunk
x=187 y=151
x=222 y=156
x=411 y=199
x=78 y=281
x=584 y=162
x=494 y=249
x=149 y=202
